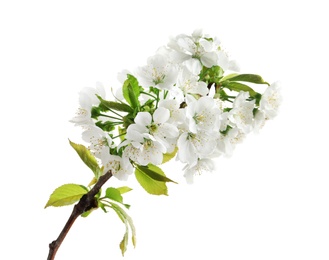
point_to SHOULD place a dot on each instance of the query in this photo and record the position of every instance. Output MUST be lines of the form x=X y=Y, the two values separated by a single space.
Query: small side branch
x=87 y=202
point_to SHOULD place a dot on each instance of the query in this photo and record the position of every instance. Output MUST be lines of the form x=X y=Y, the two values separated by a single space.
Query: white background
x=268 y=201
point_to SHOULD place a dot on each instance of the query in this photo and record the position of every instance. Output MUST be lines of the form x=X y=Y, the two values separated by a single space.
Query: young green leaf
x=87 y=158
x=116 y=105
x=155 y=173
x=124 y=189
x=113 y=194
x=168 y=156
x=152 y=179
x=126 y=219
x=66 y=194
x=124 y=242
x=228 y=76
x=253 y=78
x=236 y=86
x=131 y=91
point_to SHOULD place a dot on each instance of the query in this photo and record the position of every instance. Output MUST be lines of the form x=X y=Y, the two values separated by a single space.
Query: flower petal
x=143 y=118
x=161 y=115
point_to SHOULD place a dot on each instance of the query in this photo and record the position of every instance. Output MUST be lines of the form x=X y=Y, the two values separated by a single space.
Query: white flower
x=196 y=46
x=82 y=117
x=192 y=146
x=121 y=167
x=271 y=100
x=158 y=73
x=259 y=121
x=156 y=126
x=198 y=168
x=189 y=83
x=225 y=63
x=177 y=114
x=149 y=151
x=162 y=131
x=226 y=143
x=87 y=99
x=241 y=114
x=150 y=137
x=99 y=140
x=203 y=114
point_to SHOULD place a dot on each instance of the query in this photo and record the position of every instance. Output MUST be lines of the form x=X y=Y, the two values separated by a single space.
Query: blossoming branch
x=188 y=102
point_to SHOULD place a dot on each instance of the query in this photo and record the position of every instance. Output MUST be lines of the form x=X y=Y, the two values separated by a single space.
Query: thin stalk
x=112 y=117
x=148 y=94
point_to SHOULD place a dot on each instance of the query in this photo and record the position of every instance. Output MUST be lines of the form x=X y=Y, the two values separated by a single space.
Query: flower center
x=198 y=118
x=153 y=128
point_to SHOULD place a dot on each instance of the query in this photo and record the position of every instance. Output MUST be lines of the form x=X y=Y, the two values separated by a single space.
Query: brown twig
x=87 y=202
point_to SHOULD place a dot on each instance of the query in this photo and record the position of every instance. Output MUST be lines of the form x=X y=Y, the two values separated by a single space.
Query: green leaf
x=253 y=78
x=131 y=91
x=116 y=105
x=113 y=194
x=236 y=86
x=155 y=173
x=228 y=76
x=124 y=189
x=126 y=219
x=87 y=158
x=124 y=242
x=66 y=194
x=168 y=156
x=152 y=179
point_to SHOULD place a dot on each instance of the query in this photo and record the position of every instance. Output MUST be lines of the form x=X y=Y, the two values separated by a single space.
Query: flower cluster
x=181 y=104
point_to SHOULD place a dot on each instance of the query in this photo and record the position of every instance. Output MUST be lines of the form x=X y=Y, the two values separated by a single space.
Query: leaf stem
x=110 y=116
x=87 y=202
x=118 y=135
x=143 y=92
x=115 y=113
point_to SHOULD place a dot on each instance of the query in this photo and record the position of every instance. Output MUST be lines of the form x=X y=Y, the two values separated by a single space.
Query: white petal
x=161 y=115
x=143 y=118
x=194 y=66
x=207 y=45
x=209 y=59
x=186 y=151
x=223 y=60
x=134 y=135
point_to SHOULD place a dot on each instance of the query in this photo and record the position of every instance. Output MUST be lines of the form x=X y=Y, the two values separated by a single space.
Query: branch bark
x=87 y=202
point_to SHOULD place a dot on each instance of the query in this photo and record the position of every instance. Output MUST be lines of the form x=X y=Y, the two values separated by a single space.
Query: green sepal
x=106 y=126
x=66 y=194
x=131 y=91
x=211 y=75
x=87 y=157
x=115 y=105
x=252 y=78
x=128 y=120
